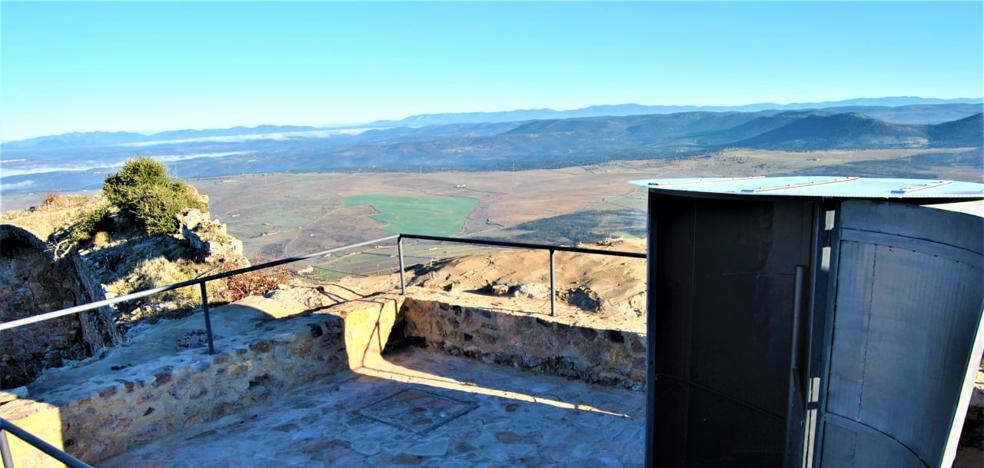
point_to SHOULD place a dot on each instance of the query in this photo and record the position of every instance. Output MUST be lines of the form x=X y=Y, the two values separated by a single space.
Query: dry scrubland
x=278 y=214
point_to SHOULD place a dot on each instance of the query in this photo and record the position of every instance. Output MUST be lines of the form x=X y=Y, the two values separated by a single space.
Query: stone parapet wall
x=104 y=417
x=609 y=357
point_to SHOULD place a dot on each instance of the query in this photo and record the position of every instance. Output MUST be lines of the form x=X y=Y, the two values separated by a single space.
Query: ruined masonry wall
x=102 y=418
x=106 y=416
x=608 y=357
x=31 y=281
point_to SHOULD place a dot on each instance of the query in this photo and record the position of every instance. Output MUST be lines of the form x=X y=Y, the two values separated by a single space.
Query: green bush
x=136 y=173
x=88 y=223
x=146 y=195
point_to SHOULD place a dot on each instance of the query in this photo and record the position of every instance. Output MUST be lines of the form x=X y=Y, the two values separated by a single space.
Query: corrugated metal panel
x=906 y=314
x=816 y=186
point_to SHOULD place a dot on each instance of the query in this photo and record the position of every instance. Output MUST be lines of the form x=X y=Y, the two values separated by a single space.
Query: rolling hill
x=857 y=131
x=963 y=132
x=567 y=141
x=837 y=131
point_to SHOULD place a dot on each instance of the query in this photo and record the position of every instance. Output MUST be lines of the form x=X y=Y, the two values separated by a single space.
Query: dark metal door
x=720 y=314
x=903 y=336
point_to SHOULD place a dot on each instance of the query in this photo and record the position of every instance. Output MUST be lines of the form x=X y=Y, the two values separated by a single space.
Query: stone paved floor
x=419 y=408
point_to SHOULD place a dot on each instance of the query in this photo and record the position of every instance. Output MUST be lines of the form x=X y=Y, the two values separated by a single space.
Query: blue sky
x=151 y=67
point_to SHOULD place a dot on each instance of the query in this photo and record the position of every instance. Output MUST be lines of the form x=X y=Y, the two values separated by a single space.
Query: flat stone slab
x=418 y=408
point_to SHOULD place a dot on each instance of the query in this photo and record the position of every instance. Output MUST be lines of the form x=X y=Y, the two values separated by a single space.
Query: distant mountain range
x=561 y=142
x=898 y=109
x=913 y=110
x=76 y=161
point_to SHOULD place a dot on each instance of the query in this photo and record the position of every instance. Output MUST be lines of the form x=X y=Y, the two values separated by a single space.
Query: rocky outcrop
x=131 y=261
x=34 y=279
x=208 y=237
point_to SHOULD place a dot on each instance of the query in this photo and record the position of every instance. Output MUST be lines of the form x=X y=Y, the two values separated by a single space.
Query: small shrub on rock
x=135 y=173
x=89 y=222
x=145 y=194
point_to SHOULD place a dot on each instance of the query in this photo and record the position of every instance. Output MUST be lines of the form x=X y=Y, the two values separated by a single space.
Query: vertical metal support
x=814 y=307
x=821 y=339
x=553 y=289
x=8 y=459
x=399 y=251
x=652 y=279
x=208 y=318
x=797 y=397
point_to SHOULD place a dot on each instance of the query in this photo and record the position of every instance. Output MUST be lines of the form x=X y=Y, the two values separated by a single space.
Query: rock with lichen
x=208 y=237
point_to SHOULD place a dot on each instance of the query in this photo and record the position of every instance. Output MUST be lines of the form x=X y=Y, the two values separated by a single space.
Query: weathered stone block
x=41 y=419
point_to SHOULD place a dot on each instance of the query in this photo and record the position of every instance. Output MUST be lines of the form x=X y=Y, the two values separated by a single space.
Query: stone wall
x=98 y=326
x=31 y=281
x=609 y=357
x=108 y=415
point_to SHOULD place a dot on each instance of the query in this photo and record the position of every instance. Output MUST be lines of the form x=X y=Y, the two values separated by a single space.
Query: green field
x=436 y=216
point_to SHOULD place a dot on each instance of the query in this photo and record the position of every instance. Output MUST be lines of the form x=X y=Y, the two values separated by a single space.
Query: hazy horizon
x=139 y=67
x=342 y=126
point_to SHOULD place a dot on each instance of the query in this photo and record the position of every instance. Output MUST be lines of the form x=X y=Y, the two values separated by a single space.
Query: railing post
x=553 y=290
x=208 y=319
x=399 y=251
x=8 y=459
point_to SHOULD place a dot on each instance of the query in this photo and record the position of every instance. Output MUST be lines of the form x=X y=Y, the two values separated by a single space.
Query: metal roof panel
x=821 y=187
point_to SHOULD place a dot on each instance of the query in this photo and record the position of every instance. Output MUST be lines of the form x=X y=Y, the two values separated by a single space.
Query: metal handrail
x=183 y=284
x=515 y=245
x=526 y=245
x=50 y=450
x=399 y=245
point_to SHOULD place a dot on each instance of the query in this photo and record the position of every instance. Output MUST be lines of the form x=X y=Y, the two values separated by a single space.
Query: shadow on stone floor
x=416 y=406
